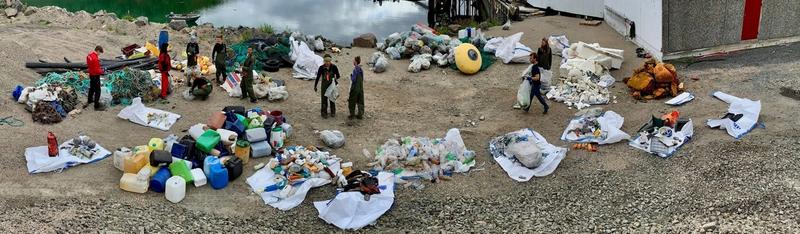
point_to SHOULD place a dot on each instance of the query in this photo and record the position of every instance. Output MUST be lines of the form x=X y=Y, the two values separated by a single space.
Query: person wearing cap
x=356 y=98
x=95 y=71
x=192 y=50
x=329 y=74
x=247 y=76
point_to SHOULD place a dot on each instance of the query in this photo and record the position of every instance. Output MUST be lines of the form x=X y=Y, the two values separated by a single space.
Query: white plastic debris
x=741 y=118
x=332 y=138
x=549 y=156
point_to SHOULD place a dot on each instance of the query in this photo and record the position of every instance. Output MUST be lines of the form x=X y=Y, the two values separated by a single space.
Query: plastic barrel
x=159 y=181
x=163 y=37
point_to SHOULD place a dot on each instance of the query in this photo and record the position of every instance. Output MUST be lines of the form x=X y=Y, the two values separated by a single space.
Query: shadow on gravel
x=790 y=93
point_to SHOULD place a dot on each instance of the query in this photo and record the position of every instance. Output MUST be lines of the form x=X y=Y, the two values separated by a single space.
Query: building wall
x=696 y=24
x=646 y=14
x=779 y=19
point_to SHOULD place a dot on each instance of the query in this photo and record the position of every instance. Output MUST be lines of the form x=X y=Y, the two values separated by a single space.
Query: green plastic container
x=179 y=168
x=207 y=141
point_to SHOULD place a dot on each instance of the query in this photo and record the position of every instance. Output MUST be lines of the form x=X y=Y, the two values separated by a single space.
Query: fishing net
x=124 y=84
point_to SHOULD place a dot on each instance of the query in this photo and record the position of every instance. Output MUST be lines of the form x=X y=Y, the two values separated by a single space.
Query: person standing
x=164 y=65
x=192 y=50
x=329 y=74
x=220 y=57
x=356 y=98
x=545 y=55
x=247 y=76
x=95 y=71
x=533 y=75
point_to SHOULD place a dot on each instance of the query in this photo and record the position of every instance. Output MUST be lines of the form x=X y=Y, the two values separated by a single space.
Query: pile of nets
x=272 y=51
x=123 y=85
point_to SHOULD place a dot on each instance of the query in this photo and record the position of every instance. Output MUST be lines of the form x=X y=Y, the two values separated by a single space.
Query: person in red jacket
x=95 y=71
x=164 y=64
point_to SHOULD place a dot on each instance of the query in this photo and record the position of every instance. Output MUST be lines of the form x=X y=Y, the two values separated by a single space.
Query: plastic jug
x=119 y=157
x=207 y=163
x=179 y=168
x=276 y=137
x=218 y=176
x=198 y=129
x=227 y=137
x=136 y=183
x=260 y=149
x=160 y=157
x=135 y=163
x=242 y=150
x=207 y=141
x=179 y=150
x=155 y=144
x=217 y=120
x=199 y=177
x=176 y=189
x=235 y=167
x=159 y=181
x=256 y=134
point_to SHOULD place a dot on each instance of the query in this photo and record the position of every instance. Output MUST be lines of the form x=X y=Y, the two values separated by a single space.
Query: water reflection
x=338 y=20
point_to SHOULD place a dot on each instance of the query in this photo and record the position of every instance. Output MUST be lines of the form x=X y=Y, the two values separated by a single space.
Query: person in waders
x=329 y=74
x=247 y=76
x=164 y=65
x=356 y=99
x=220 y=55
x=95 y=71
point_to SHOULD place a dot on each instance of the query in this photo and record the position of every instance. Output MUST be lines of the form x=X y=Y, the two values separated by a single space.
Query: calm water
x=338 y=20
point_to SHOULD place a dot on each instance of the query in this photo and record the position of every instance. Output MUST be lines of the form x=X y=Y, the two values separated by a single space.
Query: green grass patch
x=266 y=28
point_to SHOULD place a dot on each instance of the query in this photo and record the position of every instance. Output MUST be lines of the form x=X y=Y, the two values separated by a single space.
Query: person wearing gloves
x=533 y=76
x=329 y=74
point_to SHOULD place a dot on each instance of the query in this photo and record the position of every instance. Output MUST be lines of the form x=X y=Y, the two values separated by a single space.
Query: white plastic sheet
x=265 y=177
x=748 y=109
x=332 y=92
x=653 y=146
x=39 y=161
x=551 y=155
x=306 y=62
x=138 y=113
x=512 y=51
x=349 y=210
x=558 y=43
x=610 y=125
x=680 y=99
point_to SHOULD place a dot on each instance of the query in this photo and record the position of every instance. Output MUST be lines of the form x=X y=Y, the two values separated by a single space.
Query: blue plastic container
x=208 y=162
x=163 y=37
x=17 y=92
x=179 y=150
x=159 y=181
x=218 y=177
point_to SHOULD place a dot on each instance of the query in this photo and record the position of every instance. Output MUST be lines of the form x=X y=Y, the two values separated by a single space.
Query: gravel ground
x=714 y=184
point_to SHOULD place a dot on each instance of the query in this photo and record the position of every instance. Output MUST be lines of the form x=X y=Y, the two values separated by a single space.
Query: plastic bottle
x=176 y=189
x=52 y=144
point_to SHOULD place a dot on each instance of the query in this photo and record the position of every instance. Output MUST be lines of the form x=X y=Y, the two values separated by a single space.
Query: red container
x=278 y=115
x=52 y=144
x=217 y=120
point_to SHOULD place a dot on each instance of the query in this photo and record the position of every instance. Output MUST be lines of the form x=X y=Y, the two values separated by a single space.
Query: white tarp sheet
x=349 y=210
x=746 y=110
x=138 y=113
x=655 y=146
x=610 y=125
x=509 y=49
x=306 y=62
x=39 y=161
x=680 y=99
x=266 y=177
x=551 y=155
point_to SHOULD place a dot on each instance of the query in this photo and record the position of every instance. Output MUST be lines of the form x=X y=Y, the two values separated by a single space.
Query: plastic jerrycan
x=158 y=183
x=119 y=157
x=242 y=150
x=218 y=176
x=136 y=183
x=179 y=168
x=176 y=189
x=135 y=163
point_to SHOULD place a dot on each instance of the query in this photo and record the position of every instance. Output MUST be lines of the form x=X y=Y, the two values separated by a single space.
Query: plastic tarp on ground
x=39 y=161
x=742 y=115
x=140 y=114
x=610 y=123
x=551 y=155
x=349 y=210
x=264 y=177
x=509 y=49
x=306 y=62
x=680 y=99
x=654 y=145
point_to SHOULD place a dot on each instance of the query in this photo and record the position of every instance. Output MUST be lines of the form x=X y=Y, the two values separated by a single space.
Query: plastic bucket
x=278 y=115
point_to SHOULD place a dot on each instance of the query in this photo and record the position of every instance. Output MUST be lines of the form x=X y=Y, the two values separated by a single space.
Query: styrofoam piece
x=176 y=189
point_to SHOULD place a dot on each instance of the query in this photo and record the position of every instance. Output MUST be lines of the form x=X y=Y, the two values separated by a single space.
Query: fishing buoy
x=468 y=59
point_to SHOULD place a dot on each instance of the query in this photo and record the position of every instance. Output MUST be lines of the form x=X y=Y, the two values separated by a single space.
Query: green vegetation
x=44 y=22
x=266 y=28
x=128 y=17
x=443 y=29
x=246 y=35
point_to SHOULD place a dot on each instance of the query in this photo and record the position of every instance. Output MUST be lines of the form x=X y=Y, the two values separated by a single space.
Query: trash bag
x=380 y=65
x=393 y=53
x=420 y=62
x=440 y=59
x=558 y=43
x=492 y=45
x=277 y=93
x=527 y=153
x=333 y=139
x=332 y=92
x=546 y=78
x=513 y=51
x=319 y=45
x=524 y=94
x=105 y=97
x=393 y=39
x=188 y=95
x=306 y=62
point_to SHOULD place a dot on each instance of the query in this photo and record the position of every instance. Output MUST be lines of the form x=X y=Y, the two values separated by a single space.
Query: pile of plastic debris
x=284 y=182
x=663 y=136
x=525 y=154
x=414 y=159
x=595 y=126
x=119 y=87
x=585 y=75
x=425 y=47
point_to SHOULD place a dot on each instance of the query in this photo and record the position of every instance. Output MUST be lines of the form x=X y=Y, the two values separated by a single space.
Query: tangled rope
x=124 y=85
